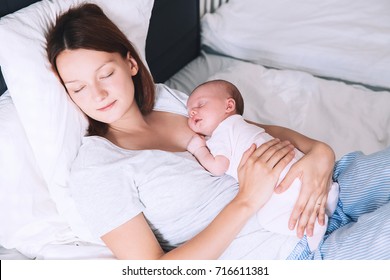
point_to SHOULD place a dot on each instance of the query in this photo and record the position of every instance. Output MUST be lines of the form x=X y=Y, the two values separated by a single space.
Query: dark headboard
x=173 y=37
x=10 y=6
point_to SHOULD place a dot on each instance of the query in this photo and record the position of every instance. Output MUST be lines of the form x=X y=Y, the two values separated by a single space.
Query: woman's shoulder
x=96 y=143
x=170 y=100
x=96 y=150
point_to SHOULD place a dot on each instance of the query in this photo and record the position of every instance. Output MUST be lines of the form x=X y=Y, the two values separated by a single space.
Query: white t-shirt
x=231 y=139
x=177 y=196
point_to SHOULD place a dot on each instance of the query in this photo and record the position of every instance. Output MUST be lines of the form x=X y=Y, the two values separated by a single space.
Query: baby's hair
x=232 y=91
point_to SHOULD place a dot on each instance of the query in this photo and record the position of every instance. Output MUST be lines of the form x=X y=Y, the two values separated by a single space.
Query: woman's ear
x=230 y=105
x=133 y=64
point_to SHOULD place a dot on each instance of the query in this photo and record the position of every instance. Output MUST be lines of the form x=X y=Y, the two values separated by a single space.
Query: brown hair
x=231 y=90
x=87 y=27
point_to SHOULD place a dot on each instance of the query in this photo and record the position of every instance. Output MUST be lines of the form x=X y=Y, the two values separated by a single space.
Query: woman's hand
x=315 y=171
x=259 y=171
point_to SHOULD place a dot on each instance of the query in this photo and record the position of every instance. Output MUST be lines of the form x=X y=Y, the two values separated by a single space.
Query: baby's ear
x=230 y=105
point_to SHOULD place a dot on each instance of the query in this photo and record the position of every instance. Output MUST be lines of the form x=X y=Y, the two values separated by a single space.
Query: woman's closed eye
x=77 y=90
x=107 y=75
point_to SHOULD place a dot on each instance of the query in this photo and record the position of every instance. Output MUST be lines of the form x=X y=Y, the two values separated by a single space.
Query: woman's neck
x=131 y=121
x=157 y=130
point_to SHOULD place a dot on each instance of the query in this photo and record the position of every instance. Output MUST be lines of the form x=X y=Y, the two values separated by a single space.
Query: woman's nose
x=99 y=93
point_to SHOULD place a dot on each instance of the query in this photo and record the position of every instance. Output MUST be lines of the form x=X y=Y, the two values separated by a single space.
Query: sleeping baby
x=215 y=111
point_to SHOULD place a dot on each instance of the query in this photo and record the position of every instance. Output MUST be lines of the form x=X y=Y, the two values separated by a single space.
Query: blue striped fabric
x=360 y=226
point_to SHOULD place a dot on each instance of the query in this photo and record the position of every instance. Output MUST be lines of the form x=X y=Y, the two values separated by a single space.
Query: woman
x=134 y=184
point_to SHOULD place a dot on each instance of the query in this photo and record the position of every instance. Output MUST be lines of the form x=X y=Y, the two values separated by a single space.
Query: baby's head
x=212 y=102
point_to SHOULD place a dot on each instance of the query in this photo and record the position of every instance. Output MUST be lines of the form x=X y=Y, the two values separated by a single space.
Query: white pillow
x=52 y=123
x=28 y=216
x=347 y=40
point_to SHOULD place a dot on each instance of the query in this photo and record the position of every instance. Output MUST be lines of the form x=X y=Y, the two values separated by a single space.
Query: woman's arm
x=300 y=141
x=135 y=240
x=315 y=170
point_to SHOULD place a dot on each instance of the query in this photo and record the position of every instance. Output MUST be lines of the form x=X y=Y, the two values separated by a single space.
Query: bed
x=321 y=69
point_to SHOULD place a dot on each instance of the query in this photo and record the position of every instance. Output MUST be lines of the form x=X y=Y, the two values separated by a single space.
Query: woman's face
x=98 y=82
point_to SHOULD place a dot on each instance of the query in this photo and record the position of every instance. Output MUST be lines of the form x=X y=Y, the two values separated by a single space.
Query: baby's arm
x=217 y=165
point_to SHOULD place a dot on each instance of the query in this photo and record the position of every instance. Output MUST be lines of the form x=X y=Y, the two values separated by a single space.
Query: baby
x=215 y=111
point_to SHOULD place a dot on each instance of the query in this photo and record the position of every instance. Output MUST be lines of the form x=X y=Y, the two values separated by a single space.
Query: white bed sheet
x=347 y=117
x=70 y=251
x=11 y=254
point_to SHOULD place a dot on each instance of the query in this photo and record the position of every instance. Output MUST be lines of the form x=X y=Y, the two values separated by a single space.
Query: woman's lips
x=108 y=107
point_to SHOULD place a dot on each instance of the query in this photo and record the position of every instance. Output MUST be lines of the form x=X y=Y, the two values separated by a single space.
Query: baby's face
x=206 y=110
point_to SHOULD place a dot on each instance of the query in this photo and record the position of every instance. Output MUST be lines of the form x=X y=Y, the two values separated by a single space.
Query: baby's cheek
x=189 y=123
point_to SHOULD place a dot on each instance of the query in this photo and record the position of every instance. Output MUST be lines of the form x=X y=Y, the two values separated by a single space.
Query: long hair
x=87 y=27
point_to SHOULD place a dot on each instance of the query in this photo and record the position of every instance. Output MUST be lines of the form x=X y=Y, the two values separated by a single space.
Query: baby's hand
x=196 y=143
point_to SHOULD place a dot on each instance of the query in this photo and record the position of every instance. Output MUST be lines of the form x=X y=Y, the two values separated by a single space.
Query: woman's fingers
x=272 y=152
x=306 y=211
x=246 y=155
x=318 y=213
x=308 y=218
x=263 y=148
x=283 y=154
x=260 y=169
x=314 y=170
x=321 y=212
x=298 y=213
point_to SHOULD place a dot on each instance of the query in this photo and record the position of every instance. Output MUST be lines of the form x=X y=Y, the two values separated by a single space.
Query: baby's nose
x=192 y=113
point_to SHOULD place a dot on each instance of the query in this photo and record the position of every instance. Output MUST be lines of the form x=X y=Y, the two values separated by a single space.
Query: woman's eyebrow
x=70 y=82
x=104 y=64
